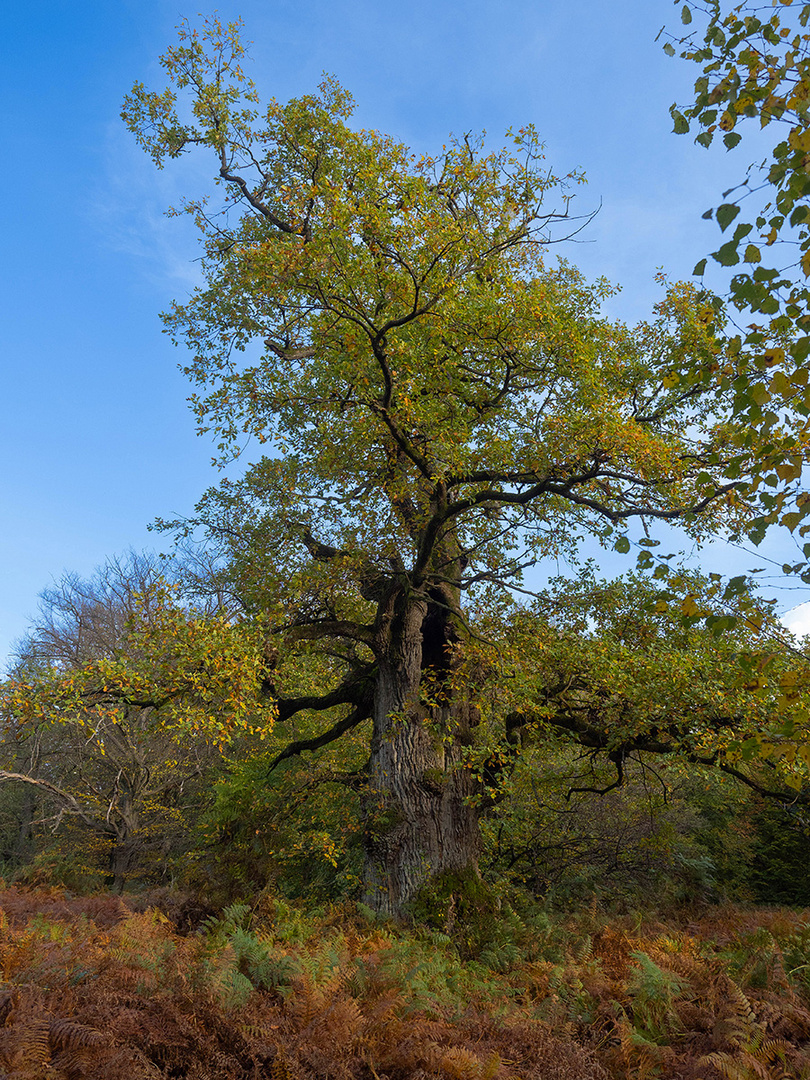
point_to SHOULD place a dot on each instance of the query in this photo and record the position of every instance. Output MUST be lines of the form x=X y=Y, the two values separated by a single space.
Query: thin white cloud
x=129 y=208
x=797 y=620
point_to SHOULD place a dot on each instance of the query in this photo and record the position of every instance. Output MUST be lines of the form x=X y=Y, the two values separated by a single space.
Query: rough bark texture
x=22 y=850
x=127 y=841
x=419 y=818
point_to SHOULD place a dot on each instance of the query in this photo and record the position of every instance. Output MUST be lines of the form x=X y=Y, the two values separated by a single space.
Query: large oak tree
x=443 y=407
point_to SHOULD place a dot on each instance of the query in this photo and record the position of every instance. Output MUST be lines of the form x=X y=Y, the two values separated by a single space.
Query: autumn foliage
x=354 y=692
x=96 y=988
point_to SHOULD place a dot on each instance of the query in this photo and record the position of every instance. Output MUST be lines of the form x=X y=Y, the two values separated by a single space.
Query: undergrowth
x=93 y=988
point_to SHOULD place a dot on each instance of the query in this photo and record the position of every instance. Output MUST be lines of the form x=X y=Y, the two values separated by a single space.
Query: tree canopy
x=755 y=72
x=443 y=406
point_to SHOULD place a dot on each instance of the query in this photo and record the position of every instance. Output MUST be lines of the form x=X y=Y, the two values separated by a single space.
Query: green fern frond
x=584 y=951
x=653 y=992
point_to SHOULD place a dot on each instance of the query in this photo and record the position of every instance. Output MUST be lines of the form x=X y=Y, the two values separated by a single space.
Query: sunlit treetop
x=390 y=326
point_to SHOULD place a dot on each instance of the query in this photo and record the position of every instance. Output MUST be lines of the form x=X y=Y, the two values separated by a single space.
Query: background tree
x=115 y=708
x=442 y=407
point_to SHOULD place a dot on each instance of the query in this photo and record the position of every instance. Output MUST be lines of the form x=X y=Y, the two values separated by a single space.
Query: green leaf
x=622 y=545
x=736 y=587
x=700 y=269
x=800 y=349
x=752 y=254
x=742 y=230
x=726 y=214
x=681 y=123
x=780 y=383
x=720 y=624
x=686 y=15
x=731 y=138
x=756 y=531
x=727 y=255
x=668 y=49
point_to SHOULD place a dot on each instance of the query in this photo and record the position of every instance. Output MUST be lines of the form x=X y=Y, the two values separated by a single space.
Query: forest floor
x=132 y=988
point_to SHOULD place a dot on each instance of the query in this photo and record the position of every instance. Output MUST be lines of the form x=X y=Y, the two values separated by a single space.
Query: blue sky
x=96 y=438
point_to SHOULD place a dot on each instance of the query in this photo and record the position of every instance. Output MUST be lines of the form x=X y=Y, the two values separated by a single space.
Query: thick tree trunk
x=120 y=862
x=126 y=842
x=420 y=821
x=23 y=848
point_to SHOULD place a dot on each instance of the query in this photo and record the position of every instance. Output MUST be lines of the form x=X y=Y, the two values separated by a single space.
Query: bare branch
x=352 y=720
x=70 y=803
